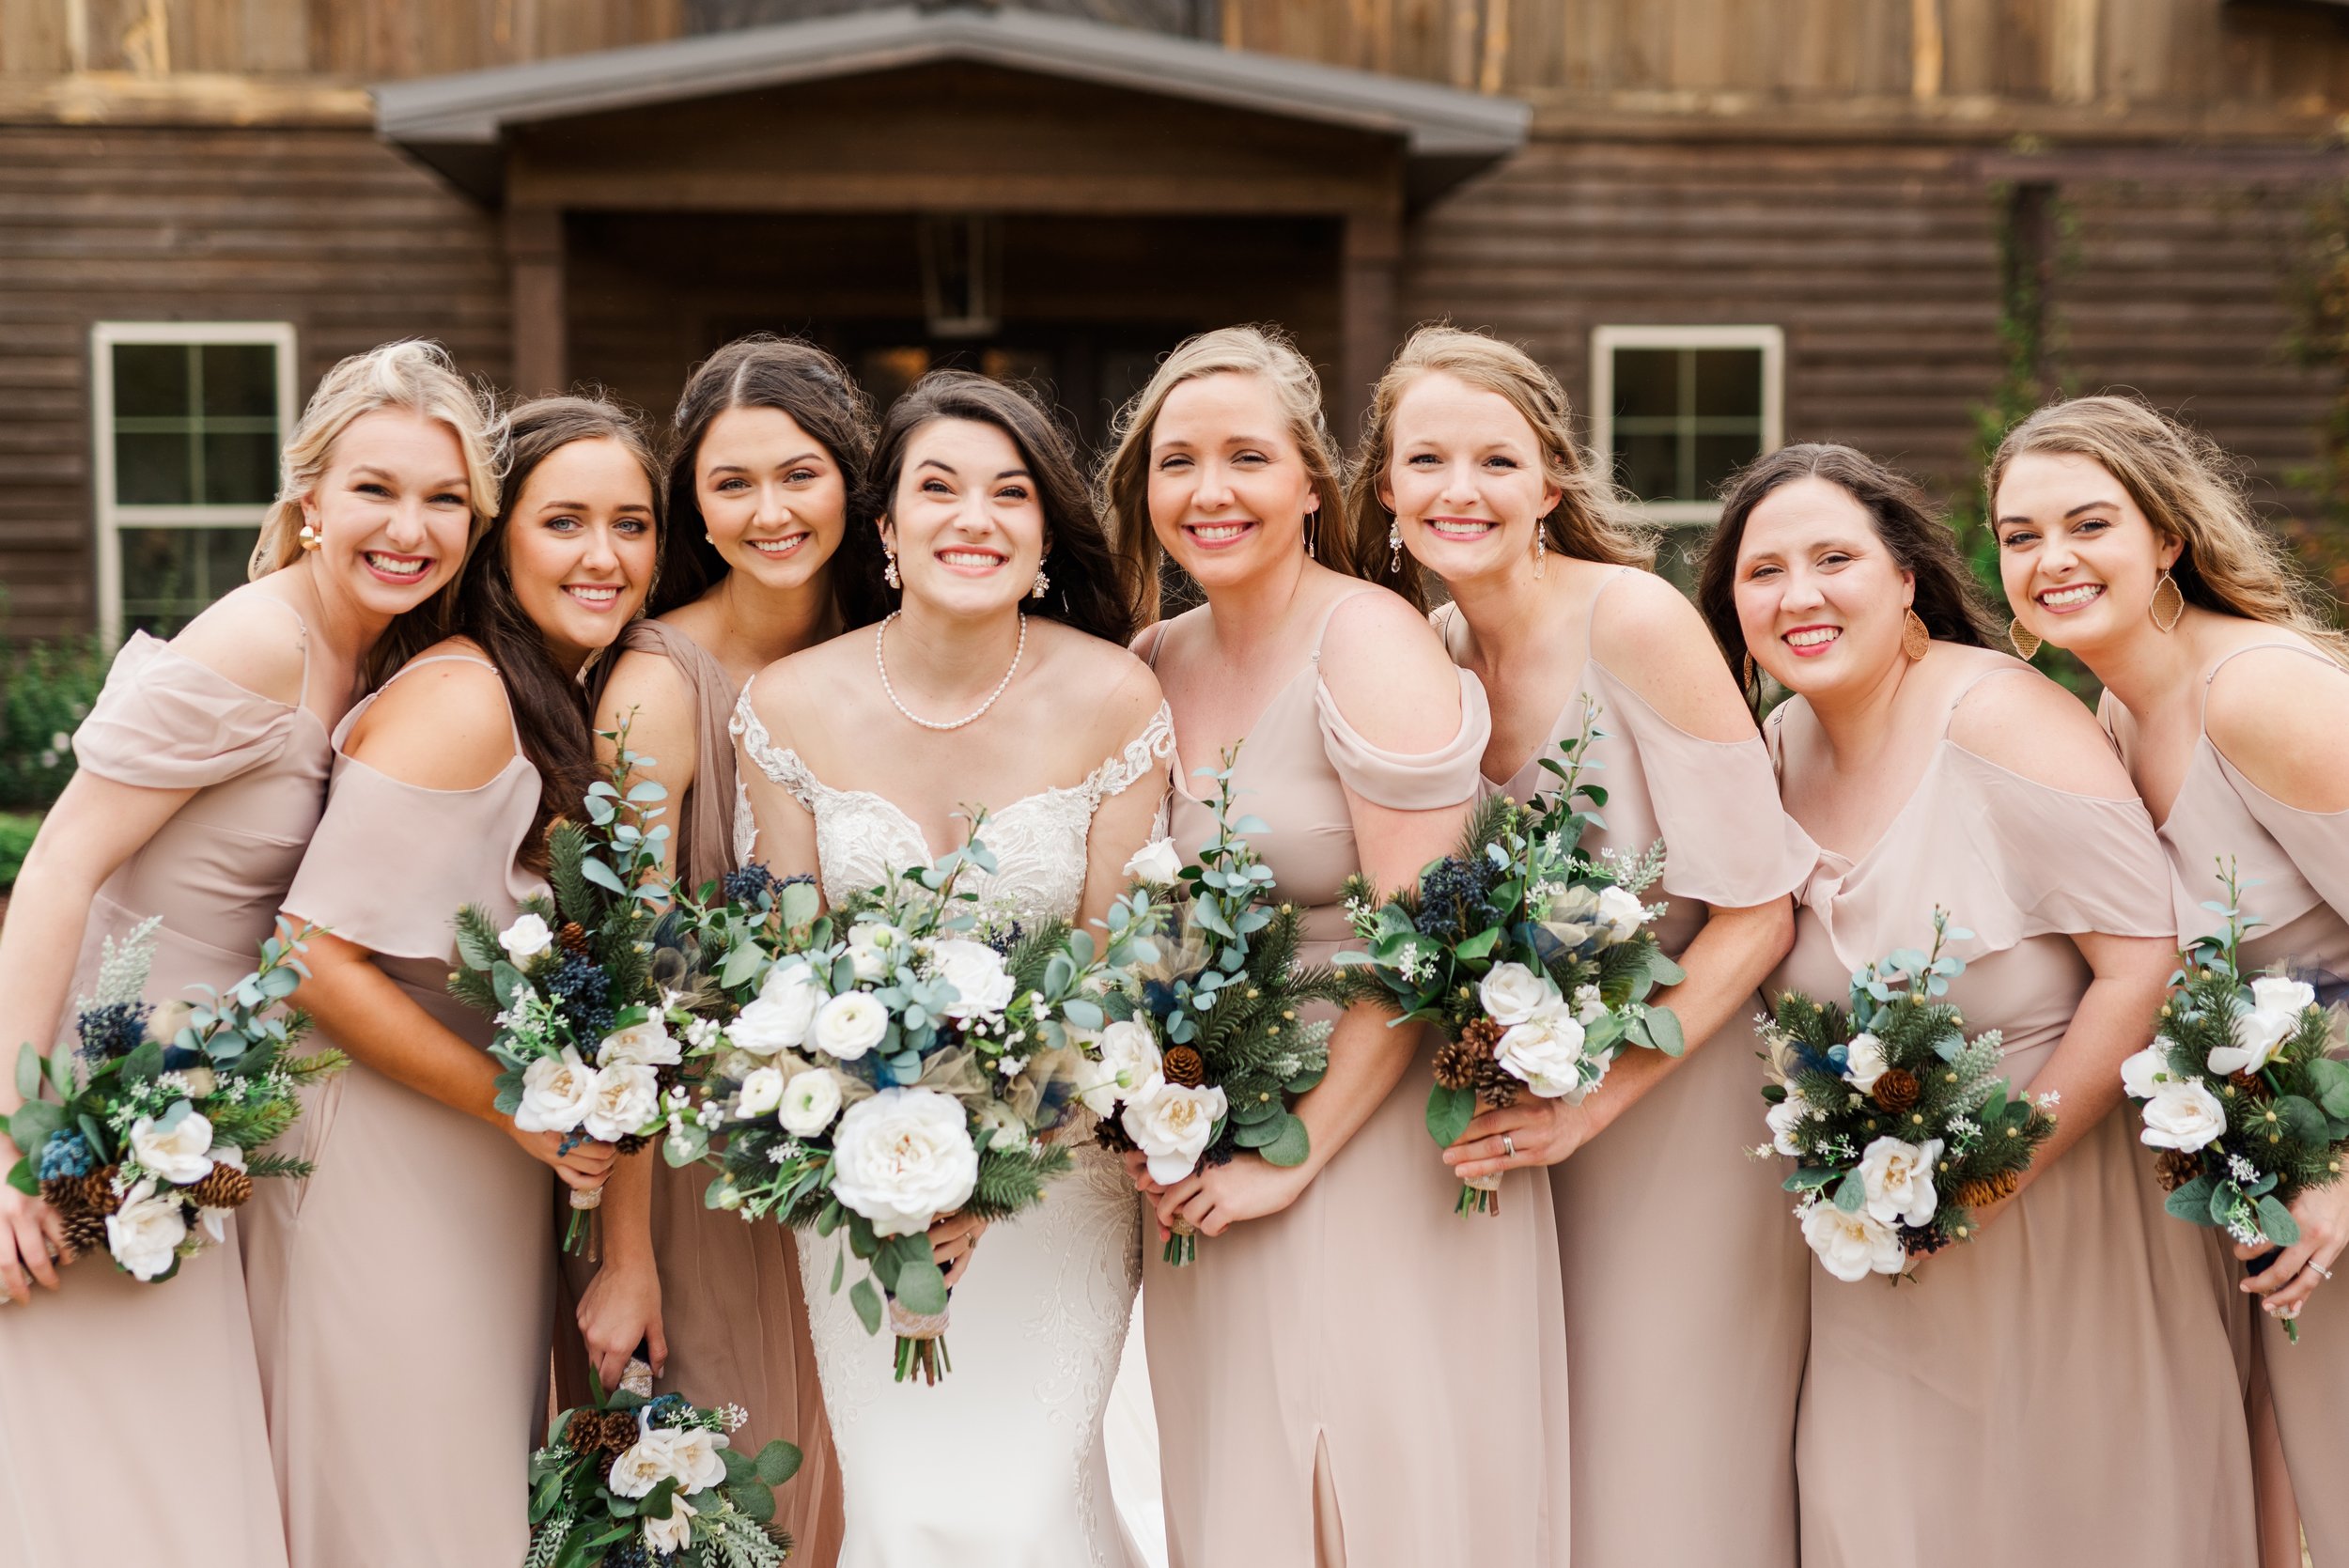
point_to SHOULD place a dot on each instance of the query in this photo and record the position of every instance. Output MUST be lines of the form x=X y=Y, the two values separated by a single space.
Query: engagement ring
x=1509 y=1145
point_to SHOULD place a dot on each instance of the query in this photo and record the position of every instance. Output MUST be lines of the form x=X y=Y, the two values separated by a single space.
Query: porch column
x=534 y=253
x=1369 y=285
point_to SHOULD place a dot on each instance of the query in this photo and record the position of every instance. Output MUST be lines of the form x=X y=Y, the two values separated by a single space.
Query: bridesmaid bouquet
x=2240 y=1092
x=630 y=1481
x=153 y=1139
x=897 y=1060
x=1898 y=1124
x=1533 y=958
x=1215 y=1057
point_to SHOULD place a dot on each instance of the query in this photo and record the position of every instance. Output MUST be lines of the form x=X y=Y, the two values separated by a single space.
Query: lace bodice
x=1038 y=841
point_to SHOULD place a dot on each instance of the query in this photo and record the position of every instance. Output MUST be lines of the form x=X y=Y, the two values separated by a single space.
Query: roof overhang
x=457 y=123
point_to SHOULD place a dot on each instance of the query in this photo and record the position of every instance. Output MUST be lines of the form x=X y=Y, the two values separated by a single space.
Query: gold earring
x=2169 y=603
x=2026 y=641
x=1311 y=554
x=309 y=537
x=1748 y=672
x=1916 y=637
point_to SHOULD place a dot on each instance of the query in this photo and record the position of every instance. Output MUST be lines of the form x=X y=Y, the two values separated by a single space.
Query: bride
x=999 y=680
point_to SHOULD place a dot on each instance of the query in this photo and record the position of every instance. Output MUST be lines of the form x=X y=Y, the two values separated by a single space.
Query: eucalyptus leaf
x=2276 y=1222
x=778 y=1462
x=28 y=1072
x=1852 y=1193
x=1449 y=1112
x=922 y=1289
x=1294 y=1145
x=866 y=1300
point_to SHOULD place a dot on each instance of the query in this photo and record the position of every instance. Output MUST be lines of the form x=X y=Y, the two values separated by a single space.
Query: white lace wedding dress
x=1000 y=1465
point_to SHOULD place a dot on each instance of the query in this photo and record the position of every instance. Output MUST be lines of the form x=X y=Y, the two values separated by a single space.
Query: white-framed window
x=187 y=420
x=1674 y=411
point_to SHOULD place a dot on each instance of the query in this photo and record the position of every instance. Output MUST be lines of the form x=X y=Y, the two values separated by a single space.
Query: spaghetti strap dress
x=732 y=1307
x=2064 y=1387
x=401 y=1293
x=1365 y=1380
x=83 y=1475
x=2293 y=867
x=1707 y=1374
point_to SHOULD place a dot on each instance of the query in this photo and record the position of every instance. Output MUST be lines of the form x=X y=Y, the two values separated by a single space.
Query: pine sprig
x=1012 y=1180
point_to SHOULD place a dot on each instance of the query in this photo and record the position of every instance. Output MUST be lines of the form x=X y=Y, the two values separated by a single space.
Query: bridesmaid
x=1470 y=465
x=2124 y=540
x=2063 y=1385
x=1292 y=1431
x=402 y=1296
x=772 y=437
x=203 y=771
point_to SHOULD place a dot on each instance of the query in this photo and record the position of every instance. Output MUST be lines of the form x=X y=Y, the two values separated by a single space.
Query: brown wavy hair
x=1949 y=599
x=1590 y=520
x=2191 y=492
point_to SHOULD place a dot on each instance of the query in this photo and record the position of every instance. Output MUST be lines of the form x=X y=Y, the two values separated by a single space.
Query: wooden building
x=1724 y=223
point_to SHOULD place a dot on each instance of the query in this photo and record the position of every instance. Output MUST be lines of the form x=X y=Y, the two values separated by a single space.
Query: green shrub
x=16 y=839
x=46 y=690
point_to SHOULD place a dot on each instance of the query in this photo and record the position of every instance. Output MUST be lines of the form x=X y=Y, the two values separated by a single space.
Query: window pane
x=240 y=467
x=151 y=380
x=1647 y=382
x=239 y=379
x=1728 y=382
x=152 y=469
x=1649 y=465
x=1720 y=456
x=170 y=574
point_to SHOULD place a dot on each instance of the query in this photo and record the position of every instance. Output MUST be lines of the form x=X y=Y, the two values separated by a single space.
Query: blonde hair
x=2190 y=491
x=412 y=375
x=1590 y=520
x=1267 y=353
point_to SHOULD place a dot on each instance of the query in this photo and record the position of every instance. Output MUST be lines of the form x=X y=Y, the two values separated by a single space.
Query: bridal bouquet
x=582 y=1027
x=1898 y=1124
x=897 y=1060
x=1533 y=958
x=630 y=1481
x=1215 y=1055
x=153 y=1138
x=2241 y=1093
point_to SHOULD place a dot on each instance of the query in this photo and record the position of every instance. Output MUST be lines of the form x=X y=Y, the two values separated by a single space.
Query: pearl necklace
x=971 y=717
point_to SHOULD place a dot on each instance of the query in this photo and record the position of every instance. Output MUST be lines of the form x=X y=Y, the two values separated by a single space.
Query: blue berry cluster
x=581 y=992
x=744 y=886
x=112 y=1030
x=65 y=1156
x=1454 y=899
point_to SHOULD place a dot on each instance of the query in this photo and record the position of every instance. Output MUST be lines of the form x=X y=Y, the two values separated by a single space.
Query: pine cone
x=224 y=1188
x=84 y=1232
x=609 y=1432
x=1983 y=1192
x=1495 y=1085
x=2174 y=1168
x=1456 y=1064
x=2248 y=1084
x=1897 y=1089
x=63 y=1193
x=1484 y=1036
x=574 y=936
x=1111 y=1137
x=97 y=1191
x=1185 y=1065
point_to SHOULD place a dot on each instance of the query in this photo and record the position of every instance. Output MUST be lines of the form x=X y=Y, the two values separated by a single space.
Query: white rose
x=177 y=1148
x=526 y=939
x=1589 y=1006
x=2182 y=1114
x=145 y=1234
x=1130 y=1059
x=555 y=1093
x=647 y=1045
x=1852 y=1246
x=810 y=1101
x=761 y=1092
x=1512 y=993
x=778 y=1019
x=2141 y=1073
x=2275 y=993
x=1156 y=865
x=1899 y=1179
x=644 y=1466
x=627 y=1100
x=849 y=1025
x=693 y=1458
x=903 y=1158
x=1545 y=1055
x=1172 y=1124
x=1784 y=1118
x=873 y=947
x=1621 y=912
x=675 y=1532
x=1864 y=1063
x=976 y=971
x=2261 y=1029
x=1011 y=1132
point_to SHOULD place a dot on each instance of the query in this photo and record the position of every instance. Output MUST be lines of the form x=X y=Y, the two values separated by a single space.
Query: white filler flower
x=903 y=1158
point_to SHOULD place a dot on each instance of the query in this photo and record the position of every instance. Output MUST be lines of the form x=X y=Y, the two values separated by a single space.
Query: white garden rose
x=626 y=1100
x=145 y=1234
x=1172 y=1124
x=178 y=1146
x=1130 y=1059
x=873 y=948
x=810 y=1101
x=675 y=1532
x=2182 y=1114
x=2261 y=1030
x=2141 y=1073
x=761 y=1092
x=983 y=989
x=1784 y=1118
x=2276 y=993
x=849 y=1025
x=1545 y=1054
x=1898 y=1177
x=555 y=1093
x=1156 y=865
x=779 y=1019
x=1864 y=1062
x=1511 y=993
x=695 y=1459
x=525 y=939
x=1621 y=912
x=643 y=1467
x=903 y=1158
x=1852 y=1246
x=647 y=1045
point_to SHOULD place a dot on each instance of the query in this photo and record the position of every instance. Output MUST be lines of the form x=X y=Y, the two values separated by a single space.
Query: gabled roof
x=452 y=121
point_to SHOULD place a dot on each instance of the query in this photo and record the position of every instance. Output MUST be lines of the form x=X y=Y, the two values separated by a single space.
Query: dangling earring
x=309 y=537
x=889 y=571
x=2026 y=641
x=1042 y=582
x=1394 y=547
x=1748 y=672
x=2169 y=603
x=1916 y=637
x=1541 y=548
x=1311 y=554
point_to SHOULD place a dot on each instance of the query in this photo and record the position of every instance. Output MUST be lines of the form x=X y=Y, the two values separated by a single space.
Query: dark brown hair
x=761 y=371
x=551 y=713
x=1091 y=589
x=1948 y=600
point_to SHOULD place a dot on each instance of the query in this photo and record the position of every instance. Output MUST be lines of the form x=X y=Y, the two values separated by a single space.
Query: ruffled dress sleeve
x=1400 y=781
x=2316 y=843
x=166 y=721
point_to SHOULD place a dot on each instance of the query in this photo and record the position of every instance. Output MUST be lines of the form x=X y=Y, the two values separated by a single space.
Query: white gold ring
x=1508 y=1146
x=2322 y=1272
